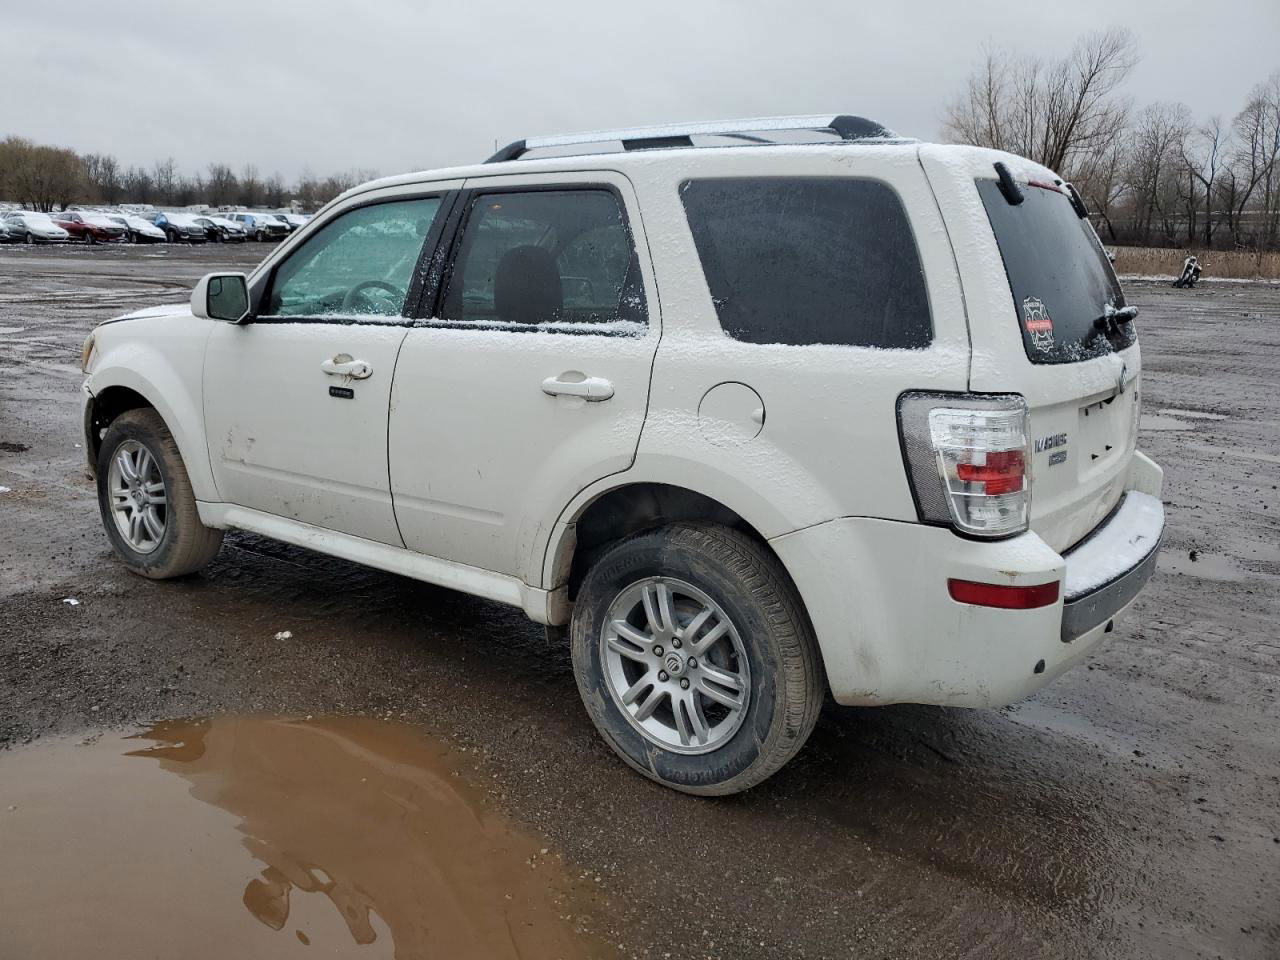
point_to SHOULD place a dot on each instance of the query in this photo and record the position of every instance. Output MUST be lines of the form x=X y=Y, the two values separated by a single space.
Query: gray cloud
x=393 y=85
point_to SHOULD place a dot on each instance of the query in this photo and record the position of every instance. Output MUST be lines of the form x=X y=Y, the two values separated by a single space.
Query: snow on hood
x=161 y=310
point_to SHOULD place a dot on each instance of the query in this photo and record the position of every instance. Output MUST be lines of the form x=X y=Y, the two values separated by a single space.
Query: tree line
x=1155 y=176
x=51 y=178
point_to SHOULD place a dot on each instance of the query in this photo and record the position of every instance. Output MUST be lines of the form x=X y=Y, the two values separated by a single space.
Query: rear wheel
x=145 y=498
x=695 y=658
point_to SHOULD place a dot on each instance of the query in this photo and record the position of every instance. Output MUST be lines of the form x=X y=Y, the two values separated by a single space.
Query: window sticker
x=1038 y=323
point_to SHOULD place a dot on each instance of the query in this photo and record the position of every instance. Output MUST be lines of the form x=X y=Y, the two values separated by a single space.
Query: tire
x=702 y=566
x=185 y=545
x=31 y=240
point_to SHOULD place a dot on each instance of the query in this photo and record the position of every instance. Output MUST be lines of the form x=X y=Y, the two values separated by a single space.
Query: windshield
x=1061 y=279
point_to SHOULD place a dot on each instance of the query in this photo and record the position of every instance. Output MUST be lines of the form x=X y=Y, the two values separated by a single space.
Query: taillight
x=966 y=456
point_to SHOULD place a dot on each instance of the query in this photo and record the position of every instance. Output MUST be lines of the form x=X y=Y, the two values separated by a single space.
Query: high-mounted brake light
x=967 y=459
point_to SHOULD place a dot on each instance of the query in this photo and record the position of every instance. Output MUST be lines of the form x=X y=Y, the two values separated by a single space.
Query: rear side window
x=810 y=260
x=563 y=258
x=1059 y=275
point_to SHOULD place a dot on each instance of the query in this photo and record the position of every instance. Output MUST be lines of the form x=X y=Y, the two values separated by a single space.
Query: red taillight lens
x=1002 y=596
x=1002 y=473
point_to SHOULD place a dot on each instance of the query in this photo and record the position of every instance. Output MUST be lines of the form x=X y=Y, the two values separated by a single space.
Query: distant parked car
x=260 y=226
x=294 y=220
x=182 y=226
x=5 y=235
x=138 y=229
x=35 y=228
x=220 y=229
x=90 y=227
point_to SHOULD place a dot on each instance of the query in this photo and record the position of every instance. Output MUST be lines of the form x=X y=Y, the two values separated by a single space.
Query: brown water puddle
x=250 y=836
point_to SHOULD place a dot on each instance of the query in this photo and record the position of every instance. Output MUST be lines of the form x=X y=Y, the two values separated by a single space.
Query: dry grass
x=1154 y=261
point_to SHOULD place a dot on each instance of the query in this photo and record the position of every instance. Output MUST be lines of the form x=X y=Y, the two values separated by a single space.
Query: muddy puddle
x=263 y=837
x=1206 y=566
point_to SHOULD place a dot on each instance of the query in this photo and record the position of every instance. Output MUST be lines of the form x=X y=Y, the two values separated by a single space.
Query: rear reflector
x=1004 y=597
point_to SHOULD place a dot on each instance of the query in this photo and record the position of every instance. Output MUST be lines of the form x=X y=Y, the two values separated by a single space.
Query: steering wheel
x=348 y=301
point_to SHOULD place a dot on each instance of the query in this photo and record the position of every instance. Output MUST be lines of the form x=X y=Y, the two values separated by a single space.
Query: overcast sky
x=394 y=85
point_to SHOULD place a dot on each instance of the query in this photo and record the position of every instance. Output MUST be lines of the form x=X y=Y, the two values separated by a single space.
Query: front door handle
x=575 y=384
x=343 y=365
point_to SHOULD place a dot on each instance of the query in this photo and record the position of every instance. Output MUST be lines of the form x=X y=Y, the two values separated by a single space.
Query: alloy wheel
x=138 y=501
x=675 y=665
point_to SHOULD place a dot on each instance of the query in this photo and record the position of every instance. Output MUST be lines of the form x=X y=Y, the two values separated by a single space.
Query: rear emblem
x=1038 y=323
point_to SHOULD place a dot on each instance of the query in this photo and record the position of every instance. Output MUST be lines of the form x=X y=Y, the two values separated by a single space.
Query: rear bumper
x=1108 y=570
x=876 y=592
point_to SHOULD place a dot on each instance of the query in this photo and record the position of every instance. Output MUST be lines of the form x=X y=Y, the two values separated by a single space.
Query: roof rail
x=845 y=126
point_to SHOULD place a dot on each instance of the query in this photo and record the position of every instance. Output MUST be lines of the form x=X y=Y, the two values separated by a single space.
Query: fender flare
x=165 y=391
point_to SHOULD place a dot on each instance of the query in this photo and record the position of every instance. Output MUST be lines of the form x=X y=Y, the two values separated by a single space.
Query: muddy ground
x=1132 y=808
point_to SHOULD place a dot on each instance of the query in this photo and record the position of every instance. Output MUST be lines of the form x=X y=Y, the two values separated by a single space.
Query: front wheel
x=145 y=498
x=695 y=658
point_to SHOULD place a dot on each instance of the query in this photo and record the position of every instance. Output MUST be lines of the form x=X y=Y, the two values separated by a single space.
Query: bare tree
x=1249 y=179
x=1204 y=154
x=40 y=177
x=1155 y=169
x=222 y=185
x=274 y=190
x=102 y=175
x=1102 y=182
x=1060 y=113
x=165 y=179
x=137 y=185
x=250 y=186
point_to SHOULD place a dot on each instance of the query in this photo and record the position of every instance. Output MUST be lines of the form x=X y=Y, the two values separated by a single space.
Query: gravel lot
x=1130 y=809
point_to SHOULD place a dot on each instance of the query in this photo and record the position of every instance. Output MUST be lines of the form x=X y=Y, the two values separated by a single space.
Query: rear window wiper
x=1109 y=323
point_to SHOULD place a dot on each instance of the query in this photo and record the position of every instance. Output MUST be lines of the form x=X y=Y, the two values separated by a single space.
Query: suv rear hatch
x=1041 y=298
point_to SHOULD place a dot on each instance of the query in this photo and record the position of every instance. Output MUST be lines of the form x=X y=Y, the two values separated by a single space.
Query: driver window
x=358 y=266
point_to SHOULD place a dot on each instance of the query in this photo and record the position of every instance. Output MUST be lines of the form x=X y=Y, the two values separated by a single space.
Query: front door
x=296 y=399
x=532 y=378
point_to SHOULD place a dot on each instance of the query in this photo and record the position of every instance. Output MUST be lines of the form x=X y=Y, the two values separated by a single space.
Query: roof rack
x=845 y=126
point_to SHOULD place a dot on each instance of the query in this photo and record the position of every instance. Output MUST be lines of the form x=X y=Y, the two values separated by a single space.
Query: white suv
x=756 y=409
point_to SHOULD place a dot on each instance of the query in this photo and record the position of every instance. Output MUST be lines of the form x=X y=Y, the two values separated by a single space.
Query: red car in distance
x=90 y=227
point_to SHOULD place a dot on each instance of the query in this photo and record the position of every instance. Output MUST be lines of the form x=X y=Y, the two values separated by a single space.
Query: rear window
x=809 y=260
x=1059 y=275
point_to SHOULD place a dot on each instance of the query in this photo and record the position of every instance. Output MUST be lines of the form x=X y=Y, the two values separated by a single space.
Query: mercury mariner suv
x=749 y=411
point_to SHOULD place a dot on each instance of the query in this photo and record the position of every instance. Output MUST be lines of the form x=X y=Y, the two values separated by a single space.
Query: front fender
x=165 y=368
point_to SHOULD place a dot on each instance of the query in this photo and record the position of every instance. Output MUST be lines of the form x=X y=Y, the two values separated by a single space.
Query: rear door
x=1038 y=285
x=531 y=378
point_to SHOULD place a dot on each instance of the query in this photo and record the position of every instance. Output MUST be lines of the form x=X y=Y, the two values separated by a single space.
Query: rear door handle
x=575 y=384
x=343 y=365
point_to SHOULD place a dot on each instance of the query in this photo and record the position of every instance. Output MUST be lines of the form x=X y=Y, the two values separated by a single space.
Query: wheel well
x=631 y=509
x=106 y=406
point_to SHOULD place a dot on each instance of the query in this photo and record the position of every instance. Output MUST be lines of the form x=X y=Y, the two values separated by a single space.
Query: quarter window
x=550 y=257
x=808 y=260
x=358 y=266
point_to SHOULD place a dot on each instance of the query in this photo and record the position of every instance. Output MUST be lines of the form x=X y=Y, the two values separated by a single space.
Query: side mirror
x=221 y=296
